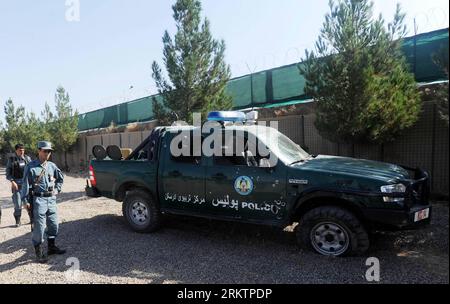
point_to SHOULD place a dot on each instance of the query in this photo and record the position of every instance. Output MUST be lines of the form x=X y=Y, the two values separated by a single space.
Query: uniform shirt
x=53 y=177
x=9 y=167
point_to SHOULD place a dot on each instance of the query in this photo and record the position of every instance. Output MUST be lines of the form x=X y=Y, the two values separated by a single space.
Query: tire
x=332 y=231
x=141 y=211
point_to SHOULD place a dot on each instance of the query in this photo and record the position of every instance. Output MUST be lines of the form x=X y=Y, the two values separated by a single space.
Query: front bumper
x=397 y=219
x=416 y=199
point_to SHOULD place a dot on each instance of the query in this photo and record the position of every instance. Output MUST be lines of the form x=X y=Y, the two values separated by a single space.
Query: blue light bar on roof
x=227 y=116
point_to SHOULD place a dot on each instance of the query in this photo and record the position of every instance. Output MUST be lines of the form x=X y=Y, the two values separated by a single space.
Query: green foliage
x=440 y=58
x=195 y=65
x=48 y=117
x=32 y=133
x=61 y=127
x=21 y=127
x=2 y=136
x=358 y=76
x=14 y=131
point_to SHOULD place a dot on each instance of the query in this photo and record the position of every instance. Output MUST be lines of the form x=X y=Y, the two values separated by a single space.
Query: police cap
x=45 y=145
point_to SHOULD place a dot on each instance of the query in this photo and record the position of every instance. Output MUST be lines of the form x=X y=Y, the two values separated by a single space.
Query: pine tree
x=2 y=138
x=440 y=58
x=15 y=128
x=64 y=126
x=34 y=133
x=195 y=65
x=47 y=118
x=358 y=76
x=21 y=127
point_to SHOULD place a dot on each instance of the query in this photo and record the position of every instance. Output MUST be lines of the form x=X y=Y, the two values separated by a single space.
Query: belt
x=42 y=194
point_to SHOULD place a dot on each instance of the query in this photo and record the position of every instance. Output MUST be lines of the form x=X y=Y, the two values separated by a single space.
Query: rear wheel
x=332 y=231
x=141 y=212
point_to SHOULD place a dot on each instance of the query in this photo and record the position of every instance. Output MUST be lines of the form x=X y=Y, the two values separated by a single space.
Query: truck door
x=182 y=179
x=238 y=187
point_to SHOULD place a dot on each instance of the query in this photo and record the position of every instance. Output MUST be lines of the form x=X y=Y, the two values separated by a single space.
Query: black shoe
x=53 y=249
x=40 y=255
x=18 y=222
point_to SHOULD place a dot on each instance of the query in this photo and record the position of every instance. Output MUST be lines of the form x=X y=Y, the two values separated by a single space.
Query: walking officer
x=41 y=180
x=14 y=173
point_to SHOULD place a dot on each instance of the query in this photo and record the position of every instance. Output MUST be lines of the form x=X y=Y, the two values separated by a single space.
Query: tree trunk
x=66 y=166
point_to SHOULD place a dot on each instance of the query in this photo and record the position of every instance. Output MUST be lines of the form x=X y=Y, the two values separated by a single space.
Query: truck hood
x=361 y=167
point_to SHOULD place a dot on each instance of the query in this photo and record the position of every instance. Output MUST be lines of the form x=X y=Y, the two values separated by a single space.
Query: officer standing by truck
x=14 y=173
x=42 y=179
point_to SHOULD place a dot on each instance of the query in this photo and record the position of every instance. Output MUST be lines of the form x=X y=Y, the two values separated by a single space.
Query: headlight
x=398 y=188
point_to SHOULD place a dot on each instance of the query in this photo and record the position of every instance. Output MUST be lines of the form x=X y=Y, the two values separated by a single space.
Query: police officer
x=41 y=180
x=14 y=173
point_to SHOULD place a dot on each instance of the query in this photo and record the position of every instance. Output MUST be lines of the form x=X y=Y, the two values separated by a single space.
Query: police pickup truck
x=235 y=170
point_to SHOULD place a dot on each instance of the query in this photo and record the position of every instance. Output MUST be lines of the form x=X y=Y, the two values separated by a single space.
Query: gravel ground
x=200 y=251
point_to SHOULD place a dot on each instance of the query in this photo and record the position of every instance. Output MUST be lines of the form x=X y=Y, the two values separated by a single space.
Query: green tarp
x=274 y=87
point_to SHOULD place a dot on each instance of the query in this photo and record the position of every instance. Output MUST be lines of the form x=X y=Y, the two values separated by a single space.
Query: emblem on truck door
x=243 y=185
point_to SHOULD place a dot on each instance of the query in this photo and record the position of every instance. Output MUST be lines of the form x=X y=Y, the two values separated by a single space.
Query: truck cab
x=237 y=171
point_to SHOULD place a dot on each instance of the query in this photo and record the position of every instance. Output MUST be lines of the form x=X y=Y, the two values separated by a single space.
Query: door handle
x=219 y=176
x=174 y=173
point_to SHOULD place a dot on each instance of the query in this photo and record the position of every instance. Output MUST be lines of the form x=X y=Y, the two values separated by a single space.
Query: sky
x=102 y=53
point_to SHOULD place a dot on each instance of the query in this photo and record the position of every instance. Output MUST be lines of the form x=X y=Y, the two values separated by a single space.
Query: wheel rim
x=329 y=238
x=139 y=213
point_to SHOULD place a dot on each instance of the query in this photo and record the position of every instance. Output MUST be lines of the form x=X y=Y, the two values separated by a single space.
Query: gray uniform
x=44 y=199
x=14 y=172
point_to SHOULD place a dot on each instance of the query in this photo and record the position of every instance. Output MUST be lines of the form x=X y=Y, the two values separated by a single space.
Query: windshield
x=284 y=148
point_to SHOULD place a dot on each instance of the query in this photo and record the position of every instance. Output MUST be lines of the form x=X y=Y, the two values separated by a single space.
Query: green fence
x=278 y=85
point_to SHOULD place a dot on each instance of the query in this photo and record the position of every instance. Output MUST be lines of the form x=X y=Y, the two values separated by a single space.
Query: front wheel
x=141 y=212
x=332 y=231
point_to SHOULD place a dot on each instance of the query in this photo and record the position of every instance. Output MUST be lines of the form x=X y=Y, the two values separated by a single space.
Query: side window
x=247 y=155
x=238 y=155
x=187 y=159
